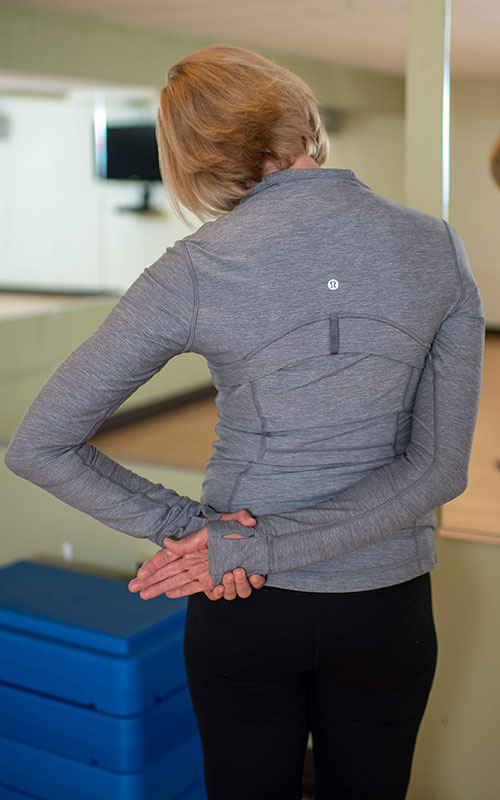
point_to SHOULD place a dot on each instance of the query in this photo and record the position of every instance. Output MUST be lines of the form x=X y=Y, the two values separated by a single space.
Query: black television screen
x=128 y=153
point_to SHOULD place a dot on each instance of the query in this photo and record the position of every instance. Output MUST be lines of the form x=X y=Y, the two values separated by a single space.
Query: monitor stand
x=144 y=207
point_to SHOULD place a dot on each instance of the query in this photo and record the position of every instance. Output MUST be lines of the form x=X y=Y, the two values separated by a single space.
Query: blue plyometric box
x=88 y=639
x=49 y=776
x=93 y=686
x=119 y=743
x=194 y=792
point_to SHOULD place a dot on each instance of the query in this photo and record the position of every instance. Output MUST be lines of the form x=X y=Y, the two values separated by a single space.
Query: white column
x=427 y=106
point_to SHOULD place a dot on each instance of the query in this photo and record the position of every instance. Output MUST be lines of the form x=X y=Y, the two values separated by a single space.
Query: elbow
x=455 y=487
x=20 y=462
x=442 y=485
x=13 y=462
x=462 y=486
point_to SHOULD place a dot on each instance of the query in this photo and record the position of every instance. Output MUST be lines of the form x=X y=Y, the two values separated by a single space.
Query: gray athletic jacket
x=344 y=333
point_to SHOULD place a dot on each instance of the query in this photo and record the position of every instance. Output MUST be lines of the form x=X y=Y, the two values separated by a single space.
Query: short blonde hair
x=225 y=111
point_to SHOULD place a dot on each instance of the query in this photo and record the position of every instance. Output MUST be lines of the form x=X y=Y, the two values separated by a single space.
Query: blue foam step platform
x=195 y=792
x=93 y=690
x=50 y=776
x=87 y=639
x=122 y=744
x=6 y=793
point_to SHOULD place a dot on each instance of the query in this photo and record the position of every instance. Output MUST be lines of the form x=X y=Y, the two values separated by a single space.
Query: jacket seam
x=390 y=322
x=258 y=188
x=134 y=492
x=384 y=568
x=264 y=427
x=428 y=471
x=268 y=342
x=396 y=431
x=417 y=548
x=456 y=264
x=237 y=482
x=196 y=301
x=312 y=321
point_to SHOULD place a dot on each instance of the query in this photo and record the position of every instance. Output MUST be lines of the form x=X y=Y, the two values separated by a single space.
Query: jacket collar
x=313 y=173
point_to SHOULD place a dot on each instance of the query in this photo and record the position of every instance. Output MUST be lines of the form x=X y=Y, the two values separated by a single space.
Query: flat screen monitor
x=127 y=153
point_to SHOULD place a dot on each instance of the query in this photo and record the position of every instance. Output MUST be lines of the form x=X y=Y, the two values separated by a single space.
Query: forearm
x=149 y=324
x=88 y=480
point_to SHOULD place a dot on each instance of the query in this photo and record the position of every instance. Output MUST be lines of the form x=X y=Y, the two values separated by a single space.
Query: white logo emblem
x=333 y=284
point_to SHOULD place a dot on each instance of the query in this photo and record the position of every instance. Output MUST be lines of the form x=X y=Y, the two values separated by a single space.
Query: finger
x=136 y=584
x=175 y=567
x=159 y=559
x=198 y=573
x=229 y=587
x=245 y=517
x=257 y=580
x=170 y=584
x=178 y=548
x=188 y=588
x=190 y=543
x=195 y=562
x=193 y=567
x=243 y=588
x=215 y=594
x=242 y=516
x=219 y=591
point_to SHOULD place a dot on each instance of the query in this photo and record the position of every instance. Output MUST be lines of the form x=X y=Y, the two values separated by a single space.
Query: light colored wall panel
x=35 y=523
x=33 y=346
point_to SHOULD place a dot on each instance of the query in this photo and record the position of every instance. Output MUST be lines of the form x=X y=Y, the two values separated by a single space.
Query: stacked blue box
x=93 y=691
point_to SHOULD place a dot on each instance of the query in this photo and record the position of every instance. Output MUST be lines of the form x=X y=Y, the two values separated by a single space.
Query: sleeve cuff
x=197 y=522
x=224 y=555
x=189 y=522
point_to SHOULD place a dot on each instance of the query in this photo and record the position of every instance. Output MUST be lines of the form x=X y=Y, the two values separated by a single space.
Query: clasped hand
x=181 y=568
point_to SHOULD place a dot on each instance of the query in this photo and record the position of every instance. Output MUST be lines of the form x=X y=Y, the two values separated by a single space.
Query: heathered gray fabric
x=346 y=414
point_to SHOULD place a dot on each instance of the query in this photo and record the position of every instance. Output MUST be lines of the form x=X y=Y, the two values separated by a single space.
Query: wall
x=35 y=524
x=34 y=344
x=60 y=227
x=474 y=196
x=456 y=757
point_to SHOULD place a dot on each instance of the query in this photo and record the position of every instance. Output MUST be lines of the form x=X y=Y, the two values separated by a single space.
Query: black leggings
x=354 y=668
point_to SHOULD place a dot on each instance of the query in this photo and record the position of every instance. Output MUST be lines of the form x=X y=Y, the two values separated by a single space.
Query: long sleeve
x=151 y=322
x=432 y=471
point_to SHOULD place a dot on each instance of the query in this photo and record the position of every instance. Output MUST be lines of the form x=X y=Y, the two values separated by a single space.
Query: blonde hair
x=225 y=111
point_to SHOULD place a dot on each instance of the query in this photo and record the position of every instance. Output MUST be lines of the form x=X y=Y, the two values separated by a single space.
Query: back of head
x=223 y=113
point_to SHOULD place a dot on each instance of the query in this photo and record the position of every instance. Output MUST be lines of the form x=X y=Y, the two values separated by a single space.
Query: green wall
x=52 y=42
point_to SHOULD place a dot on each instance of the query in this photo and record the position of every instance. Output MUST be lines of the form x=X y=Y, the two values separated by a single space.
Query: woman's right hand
x=236 y=583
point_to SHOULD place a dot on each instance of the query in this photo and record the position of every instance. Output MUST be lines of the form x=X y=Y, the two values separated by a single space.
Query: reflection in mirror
x=97 y=219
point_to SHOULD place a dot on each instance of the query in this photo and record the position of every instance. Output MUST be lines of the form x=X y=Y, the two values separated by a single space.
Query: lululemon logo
x=333 y=284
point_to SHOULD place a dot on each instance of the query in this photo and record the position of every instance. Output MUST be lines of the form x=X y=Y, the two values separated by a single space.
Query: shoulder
x=413 y=218
x=224 y=229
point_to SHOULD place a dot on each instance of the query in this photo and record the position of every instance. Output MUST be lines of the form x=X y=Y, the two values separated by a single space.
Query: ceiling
x=364 y=33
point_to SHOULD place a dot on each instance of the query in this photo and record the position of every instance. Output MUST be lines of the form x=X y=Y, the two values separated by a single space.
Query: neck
x=303 y=161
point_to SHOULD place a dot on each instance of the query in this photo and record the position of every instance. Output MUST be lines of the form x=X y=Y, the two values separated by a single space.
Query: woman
x=344 y=333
